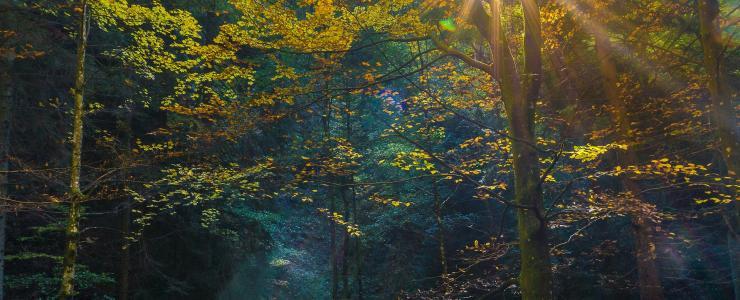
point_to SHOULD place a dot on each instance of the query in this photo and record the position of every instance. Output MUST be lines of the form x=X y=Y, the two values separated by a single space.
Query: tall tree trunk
x=350 y=210
x=519 y=99
x=647 y=269
x=535 y=276
x=724 y=117
x=6 y=104
x=73 y=219
x=326 y=120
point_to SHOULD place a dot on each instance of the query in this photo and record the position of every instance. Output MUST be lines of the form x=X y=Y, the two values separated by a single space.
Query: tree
x=724 y=116
x=645 y=250
x=76 y=197
x=520 y=92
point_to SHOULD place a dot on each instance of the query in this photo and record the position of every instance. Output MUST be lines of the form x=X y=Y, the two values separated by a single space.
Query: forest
x=369 y=149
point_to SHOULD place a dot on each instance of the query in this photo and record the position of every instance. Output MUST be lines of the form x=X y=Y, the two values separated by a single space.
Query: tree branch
x=488 y=68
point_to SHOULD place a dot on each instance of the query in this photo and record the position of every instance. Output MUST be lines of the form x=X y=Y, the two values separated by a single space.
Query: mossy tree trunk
x=520 y=95
x=75 y=193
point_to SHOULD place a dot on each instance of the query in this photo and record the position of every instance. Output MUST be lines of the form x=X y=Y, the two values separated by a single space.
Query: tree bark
x=724 y=117
x=520 y=97
x=73 y=219
x=326 y=120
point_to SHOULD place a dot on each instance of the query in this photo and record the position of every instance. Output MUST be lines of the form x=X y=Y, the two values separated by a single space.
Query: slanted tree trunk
x=647 y=269
x=75 y=194
x=724 y=118
x=6 y=103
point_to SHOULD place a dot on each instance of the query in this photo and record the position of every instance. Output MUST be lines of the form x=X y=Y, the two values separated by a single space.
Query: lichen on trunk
x=72 y=231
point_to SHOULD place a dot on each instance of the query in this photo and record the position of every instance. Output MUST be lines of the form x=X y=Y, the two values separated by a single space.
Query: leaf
x=448 y=24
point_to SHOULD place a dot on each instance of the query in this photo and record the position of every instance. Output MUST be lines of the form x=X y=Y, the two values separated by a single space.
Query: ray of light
x=466 y=8
x=599 y=31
